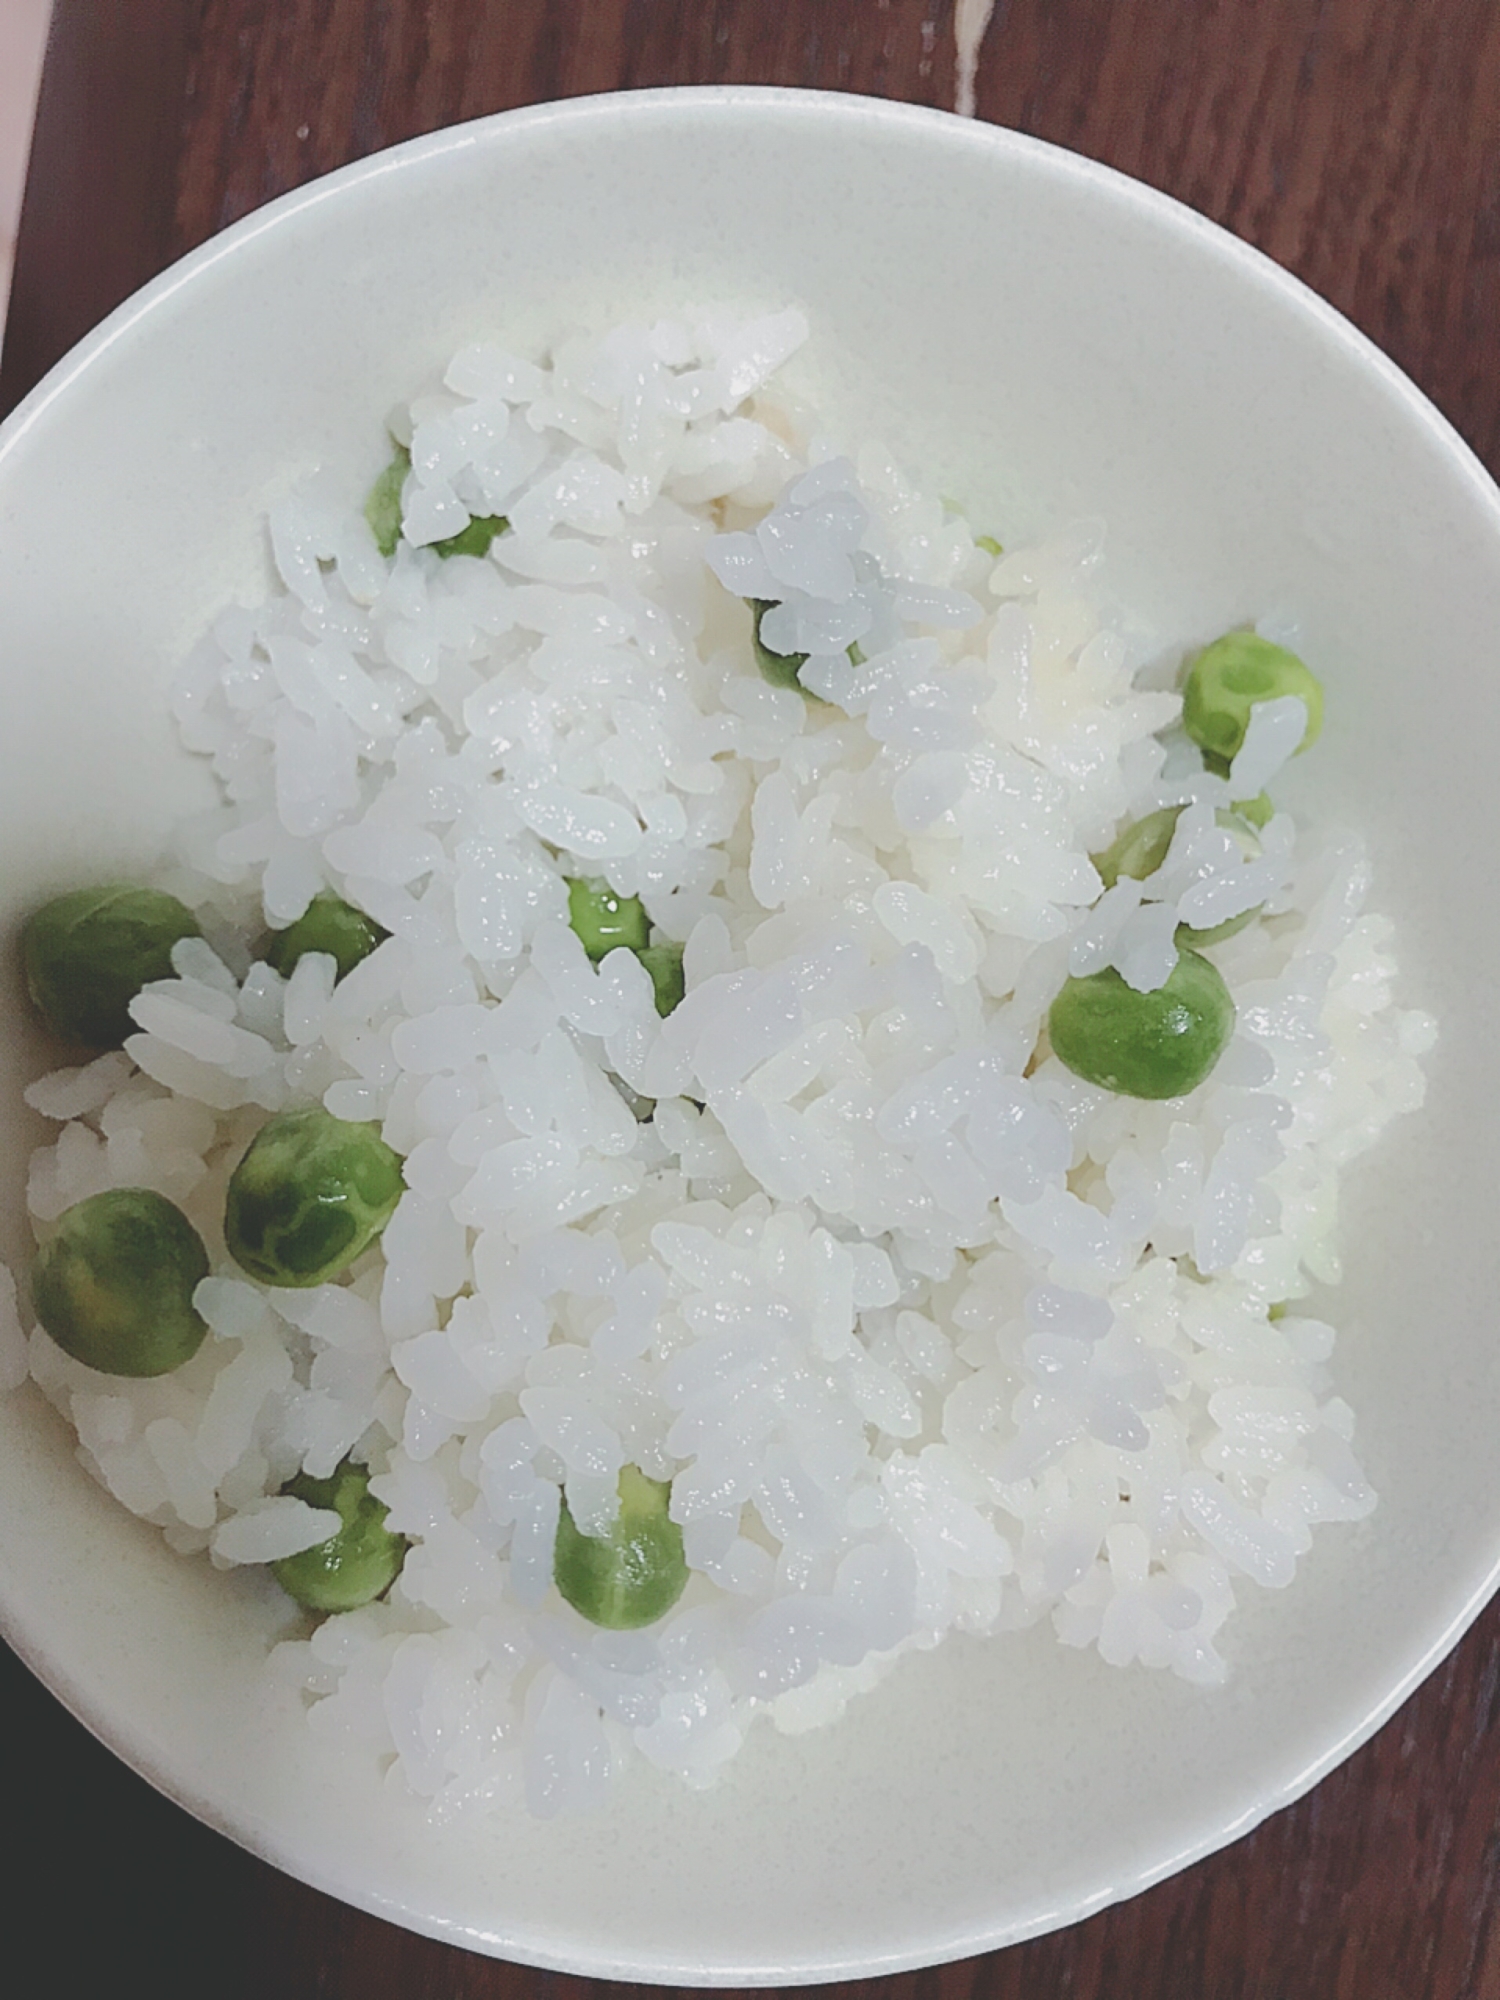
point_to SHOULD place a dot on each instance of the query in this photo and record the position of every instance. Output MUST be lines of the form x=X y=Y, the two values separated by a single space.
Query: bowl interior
x=1043 y=339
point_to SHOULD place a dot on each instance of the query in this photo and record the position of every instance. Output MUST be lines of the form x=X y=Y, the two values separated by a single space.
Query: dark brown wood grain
x=98 y=219
x=1352 y=140
x=1358 y=142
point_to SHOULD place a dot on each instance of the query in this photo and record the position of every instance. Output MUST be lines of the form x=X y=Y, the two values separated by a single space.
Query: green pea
x=310 y=1195
x=780 y=669
x=602 y=920
x=87 y=954
x=1154 y=1045
x=1196 y=936
x=331 y=925
x=634 y=1574
x=383 y=506
x=383 y=512
x=1142 y=848
x=114 y=1287
x=664 y=963
x=785 y=669
x=1231 y=677
x=353 y=1567
x=476 y=538
x=641 y=1107
x=1257 y=811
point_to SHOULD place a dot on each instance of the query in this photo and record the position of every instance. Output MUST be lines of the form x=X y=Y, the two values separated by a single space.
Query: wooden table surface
x=1358 y=142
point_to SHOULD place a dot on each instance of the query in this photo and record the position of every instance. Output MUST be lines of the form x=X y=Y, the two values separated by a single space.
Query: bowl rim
x=1469 y=1594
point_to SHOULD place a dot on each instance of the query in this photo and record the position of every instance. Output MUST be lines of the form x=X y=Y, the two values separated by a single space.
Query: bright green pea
x=1155 y=1045
x=1258 y=811
x=664 y=963
x=331 y=925
x=383 y=506
x=311 y=1193
x=353 y=1567
x=634 y=1574
x=114 y=1287
x=1231 y=677
x=87 y=954
x=1142 y=848
x=602 y=920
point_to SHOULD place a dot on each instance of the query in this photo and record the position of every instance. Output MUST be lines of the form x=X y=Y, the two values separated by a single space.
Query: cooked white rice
x=927 y=1333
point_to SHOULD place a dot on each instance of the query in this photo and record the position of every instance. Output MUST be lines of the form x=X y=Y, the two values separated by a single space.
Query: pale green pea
x=1141 y=848
x=664 y=963
x=383 y=512
x=780 y=669
x=114 y=1286
x=383 y=505
x=330 y=925
x=360 y=1562
x=86 y=955
x=785 y=669
x=310 y=1195
x=1230 y=678
x=475 y=539
x=635 y=1573
x=602 y=920
x=1152 y=1045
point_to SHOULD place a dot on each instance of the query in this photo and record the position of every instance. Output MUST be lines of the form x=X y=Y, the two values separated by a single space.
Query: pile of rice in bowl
x=926 y=1331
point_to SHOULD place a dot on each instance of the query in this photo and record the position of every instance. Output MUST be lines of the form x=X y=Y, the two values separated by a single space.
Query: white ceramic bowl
x=1044 y=337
